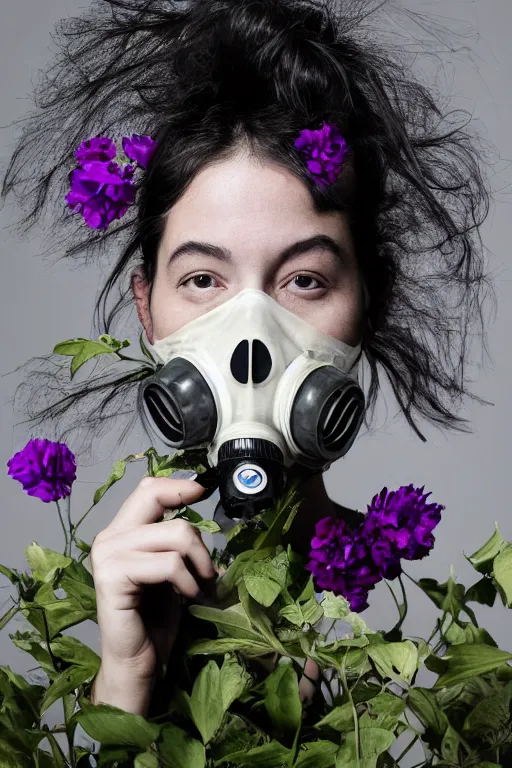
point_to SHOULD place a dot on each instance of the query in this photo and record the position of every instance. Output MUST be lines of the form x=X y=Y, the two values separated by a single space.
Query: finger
x=172 y=535
x=138 y=568
x=307 y=684
x=146 y=504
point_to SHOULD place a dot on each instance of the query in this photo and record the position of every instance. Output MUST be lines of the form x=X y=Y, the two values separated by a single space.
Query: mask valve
x=251 y=475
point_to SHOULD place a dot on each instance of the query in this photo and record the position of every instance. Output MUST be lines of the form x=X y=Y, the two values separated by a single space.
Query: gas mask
x=259 y=388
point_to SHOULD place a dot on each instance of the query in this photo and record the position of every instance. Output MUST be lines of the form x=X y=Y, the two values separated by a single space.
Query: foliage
x=238 y=703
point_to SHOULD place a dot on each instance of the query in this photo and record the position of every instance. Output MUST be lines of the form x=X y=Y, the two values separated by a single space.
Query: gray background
x=43 y=304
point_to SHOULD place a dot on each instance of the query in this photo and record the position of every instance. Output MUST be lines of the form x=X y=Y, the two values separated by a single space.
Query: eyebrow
x=317 y=242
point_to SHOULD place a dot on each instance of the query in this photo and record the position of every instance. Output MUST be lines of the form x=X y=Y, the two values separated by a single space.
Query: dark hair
x=208 y=76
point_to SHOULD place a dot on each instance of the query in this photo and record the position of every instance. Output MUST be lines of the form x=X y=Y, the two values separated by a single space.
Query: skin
x=255 y=210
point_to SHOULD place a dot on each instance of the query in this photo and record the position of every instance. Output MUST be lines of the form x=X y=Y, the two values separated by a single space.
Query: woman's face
x=239 y=225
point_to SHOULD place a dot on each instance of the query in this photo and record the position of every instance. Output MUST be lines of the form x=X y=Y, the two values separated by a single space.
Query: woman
x=390 y=257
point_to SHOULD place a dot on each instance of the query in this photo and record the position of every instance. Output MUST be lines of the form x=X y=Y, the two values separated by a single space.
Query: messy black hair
x=208 y=77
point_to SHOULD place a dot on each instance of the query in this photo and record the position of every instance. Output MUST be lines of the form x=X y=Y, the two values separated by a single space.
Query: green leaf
x=282 y=700
x=82 y=545
x=13 y=610
x=450 y=745
x=247 y=648
x=163 y=466
x=78 y=584
x=455 y=634
x=207 y=526
x=234 y=680
x=340 y=718
x=234 y=736
x=335 y=606
x=271 y=755
x=293 y=614
x=308 y=592
x=398 y=661
x=483 y=592
x=206 y=701
x=44 y=562
x=113 y=343
x=73 y=650
x=312 y=611
x=65 y=683
x=384 y=711
x=468 y=660
x=502 y=572
x=12 y=575
x=33 y=643
x=264 y=581
x=281 y=513
x=58 y=614
x=483 y=558
x=316 y=754
x=83 y=350
x=490 y=716
x=373 y=742
x=116 y=473
x=259 y=619
x=449 y=597
x=146 y=760
x=179 y=750
x=195 y=519
x=235 y=572
x=112 y=725
x=231 y=622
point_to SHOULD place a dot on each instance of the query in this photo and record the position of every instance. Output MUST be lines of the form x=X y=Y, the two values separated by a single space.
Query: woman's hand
x=131 y=560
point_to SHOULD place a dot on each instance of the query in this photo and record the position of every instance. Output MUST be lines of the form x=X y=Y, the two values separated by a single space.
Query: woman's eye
x=205 y=281
x=200 y=281
x=304 y=282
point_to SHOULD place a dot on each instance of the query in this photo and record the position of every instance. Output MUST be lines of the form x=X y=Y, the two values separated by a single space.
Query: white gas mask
x=261 y=389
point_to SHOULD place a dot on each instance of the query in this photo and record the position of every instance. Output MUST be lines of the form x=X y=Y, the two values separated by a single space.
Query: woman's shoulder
x=352 y=516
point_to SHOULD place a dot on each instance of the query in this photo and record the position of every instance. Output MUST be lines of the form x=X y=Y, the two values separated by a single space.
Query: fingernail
x=176 y=589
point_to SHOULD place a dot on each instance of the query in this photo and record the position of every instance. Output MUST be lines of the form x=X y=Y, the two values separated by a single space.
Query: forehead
x=243 y=198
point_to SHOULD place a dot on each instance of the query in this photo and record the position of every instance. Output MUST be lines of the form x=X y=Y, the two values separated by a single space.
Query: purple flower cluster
x=45 y=469
x=101 y=189
x=324 y=151
x=349 y=561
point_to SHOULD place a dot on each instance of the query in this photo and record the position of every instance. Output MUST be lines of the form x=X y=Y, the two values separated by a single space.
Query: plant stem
x=63 y=528
x=404 y=595
x=406 y=750
x=410 y=578
x=131 y=359
x=354 y=710
x=388 y=585
x=67 y=502
x=82 y=518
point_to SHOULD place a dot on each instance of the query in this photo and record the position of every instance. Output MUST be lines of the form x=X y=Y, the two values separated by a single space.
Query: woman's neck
x=316 y=504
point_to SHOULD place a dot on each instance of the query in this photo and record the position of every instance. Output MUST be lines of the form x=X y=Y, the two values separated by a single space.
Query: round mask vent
x=178 y=404
x=165 y=415
x=340 y=418
x=327 y=414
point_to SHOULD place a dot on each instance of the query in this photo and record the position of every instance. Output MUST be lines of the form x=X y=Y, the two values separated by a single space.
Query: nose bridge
x=251 y=359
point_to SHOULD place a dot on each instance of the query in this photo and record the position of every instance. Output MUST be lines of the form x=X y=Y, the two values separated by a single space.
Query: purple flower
x=45 y=469
x=349 y=561
x=324 y=151
x=404 y=520
x=341 y=562
x=139 y=148
x=101 y=192
x=100 y=148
